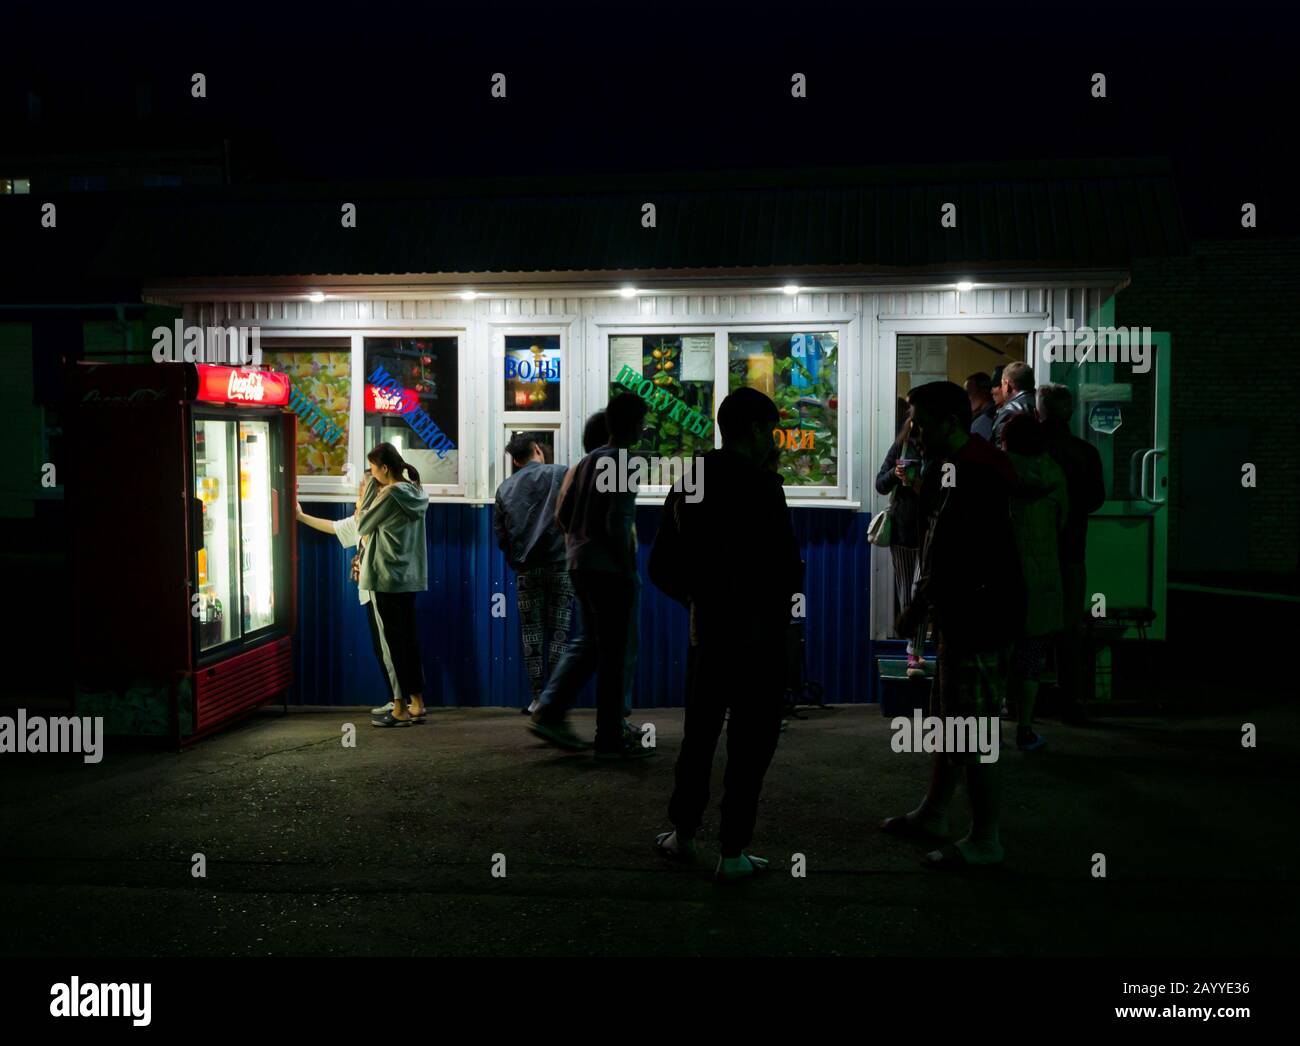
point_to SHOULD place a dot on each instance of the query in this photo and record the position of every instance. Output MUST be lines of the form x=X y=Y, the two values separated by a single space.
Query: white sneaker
x=381 y=710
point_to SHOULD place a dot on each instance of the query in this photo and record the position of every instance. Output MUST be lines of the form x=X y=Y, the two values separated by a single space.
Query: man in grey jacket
x=524 y=522
x=1017 y=397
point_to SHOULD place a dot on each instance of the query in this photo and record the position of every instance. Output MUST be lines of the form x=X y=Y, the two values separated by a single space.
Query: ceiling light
x=316 y=296
x=964 y=286
x=468 y=295
x=627 y=292
x=791 y=288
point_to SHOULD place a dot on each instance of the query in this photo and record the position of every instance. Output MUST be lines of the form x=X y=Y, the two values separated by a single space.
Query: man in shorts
x=978 y=614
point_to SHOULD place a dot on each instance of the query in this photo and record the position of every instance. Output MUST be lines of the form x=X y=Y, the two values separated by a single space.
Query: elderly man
x=1017 y=396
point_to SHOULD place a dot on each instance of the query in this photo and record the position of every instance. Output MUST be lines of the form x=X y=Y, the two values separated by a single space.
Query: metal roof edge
x=166 y=292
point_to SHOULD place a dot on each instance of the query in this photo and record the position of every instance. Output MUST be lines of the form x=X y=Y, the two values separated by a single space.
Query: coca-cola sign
x=245 y=387
x=262 y=388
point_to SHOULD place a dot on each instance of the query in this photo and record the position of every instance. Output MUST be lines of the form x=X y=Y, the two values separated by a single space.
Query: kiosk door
x=1121 y=396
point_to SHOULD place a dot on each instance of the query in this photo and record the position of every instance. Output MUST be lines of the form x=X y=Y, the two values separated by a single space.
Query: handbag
x=878 y=529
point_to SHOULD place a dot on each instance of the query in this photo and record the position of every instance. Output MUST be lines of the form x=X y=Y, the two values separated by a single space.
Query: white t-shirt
x=346 y=530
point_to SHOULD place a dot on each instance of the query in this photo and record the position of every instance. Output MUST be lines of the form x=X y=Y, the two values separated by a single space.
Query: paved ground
x=387 y=848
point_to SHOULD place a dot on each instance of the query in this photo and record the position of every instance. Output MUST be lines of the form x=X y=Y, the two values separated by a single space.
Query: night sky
x=373 y=92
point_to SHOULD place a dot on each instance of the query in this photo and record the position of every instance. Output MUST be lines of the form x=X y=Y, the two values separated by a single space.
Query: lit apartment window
x=15 y=186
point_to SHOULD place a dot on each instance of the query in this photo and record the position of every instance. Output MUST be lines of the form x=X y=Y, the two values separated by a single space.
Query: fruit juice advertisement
x=807 y=349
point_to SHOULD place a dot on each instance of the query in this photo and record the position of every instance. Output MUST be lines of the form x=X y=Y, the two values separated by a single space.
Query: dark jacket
x=905 y=523
x=981 y=424
x=732 y=556
x=599 y=523
x=524 y=520
x=1084 y=481
x=1039 y=508
x=1020 y=403
x=970 y=569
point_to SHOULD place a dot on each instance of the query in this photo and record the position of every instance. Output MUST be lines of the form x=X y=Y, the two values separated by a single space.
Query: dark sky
x=369 y=91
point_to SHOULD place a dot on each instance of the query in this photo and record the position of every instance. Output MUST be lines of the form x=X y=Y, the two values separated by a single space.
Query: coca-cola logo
x=245 y=386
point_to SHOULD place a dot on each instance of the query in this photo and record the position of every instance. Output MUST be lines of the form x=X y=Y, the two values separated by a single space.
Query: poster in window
x=697 y=357
x=624 y=352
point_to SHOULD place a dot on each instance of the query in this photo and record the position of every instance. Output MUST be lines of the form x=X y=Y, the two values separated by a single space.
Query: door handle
x=275 y=512
x=1135 y=474
x=1154 y=456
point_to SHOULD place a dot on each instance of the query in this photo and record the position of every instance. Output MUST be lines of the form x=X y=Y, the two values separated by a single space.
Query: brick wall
x=1230 y=308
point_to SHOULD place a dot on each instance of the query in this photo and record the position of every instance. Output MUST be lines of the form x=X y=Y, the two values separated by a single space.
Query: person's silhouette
x=732 y=559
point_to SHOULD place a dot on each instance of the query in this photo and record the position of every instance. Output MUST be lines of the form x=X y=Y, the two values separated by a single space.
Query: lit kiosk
x=181 y=508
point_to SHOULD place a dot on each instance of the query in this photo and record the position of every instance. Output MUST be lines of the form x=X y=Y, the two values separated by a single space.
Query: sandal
x=949 y=859
x=758 y=866
x=677 y=856
x=903 y=827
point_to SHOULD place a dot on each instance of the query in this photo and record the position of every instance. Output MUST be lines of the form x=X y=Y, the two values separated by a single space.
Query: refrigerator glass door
x=217 y=551
x=257 y=549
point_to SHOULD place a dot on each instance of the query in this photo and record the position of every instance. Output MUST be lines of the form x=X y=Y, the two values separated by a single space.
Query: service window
x=412 y=400
x=532 y=372
x=675 y=374
x=321 y=374
x=799 y=371
x=543 y=437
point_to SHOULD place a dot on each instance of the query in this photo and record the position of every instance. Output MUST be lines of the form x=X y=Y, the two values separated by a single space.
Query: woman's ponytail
x=386 y=454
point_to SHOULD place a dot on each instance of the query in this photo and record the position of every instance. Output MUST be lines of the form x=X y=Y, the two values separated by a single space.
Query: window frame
x=846 y=328
x=463 y=459
x=878 y=436
x=565 y=422
x=307 y=342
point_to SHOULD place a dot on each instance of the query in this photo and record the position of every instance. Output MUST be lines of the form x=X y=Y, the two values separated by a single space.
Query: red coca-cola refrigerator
x=180 y=499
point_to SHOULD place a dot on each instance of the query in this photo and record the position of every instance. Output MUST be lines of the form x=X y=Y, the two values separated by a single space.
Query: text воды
x=423 y=425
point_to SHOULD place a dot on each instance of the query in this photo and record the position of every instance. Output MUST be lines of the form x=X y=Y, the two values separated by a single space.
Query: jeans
x=570 y=673
x=633 y=646
x=606 y=599
x=728 y=675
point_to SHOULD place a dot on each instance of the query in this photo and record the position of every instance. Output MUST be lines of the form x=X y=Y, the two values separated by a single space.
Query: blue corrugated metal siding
x=472 y=658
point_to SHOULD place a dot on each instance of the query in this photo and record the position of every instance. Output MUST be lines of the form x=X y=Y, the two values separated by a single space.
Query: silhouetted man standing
x=1017 y=396
x=524 y=522
x=600 y=538
x=733 y=560
x=978 y=614
x=1084 y=480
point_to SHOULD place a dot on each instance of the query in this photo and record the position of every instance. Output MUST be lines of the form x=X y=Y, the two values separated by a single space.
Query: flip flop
x=902 y=828
x=761 y=866
x=949 y=859
x=675 y=856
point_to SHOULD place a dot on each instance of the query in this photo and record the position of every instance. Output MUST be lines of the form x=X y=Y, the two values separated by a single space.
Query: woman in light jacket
x=389 y=527
x=900 y=477
x=1039 y=506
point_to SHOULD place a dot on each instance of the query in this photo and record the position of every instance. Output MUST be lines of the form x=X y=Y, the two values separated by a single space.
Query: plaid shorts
x=971 y=683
